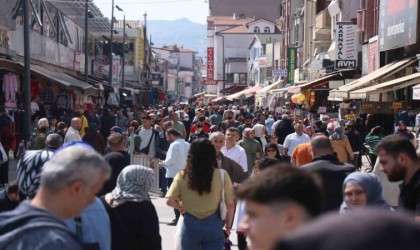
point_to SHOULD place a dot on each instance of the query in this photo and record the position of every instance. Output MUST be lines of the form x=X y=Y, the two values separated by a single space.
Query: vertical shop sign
x=116 y=68
x=291 y=63
x=210 y=63
x=346 y=41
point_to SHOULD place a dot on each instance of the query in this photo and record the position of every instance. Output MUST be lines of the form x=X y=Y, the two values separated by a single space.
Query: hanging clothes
x=46 y=96
x=35 y=89
x=10 y=86
x=64 y=100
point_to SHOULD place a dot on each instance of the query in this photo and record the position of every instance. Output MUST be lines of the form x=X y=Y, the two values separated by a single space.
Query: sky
x=194 y=10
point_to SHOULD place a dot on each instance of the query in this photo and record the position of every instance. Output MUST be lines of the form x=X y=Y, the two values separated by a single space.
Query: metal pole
x=111 y=45
x=26 y=72
x=123 y=56
x=86 y=41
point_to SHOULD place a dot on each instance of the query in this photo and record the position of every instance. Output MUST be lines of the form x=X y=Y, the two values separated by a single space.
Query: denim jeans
x=204 y=234
x=170 y=180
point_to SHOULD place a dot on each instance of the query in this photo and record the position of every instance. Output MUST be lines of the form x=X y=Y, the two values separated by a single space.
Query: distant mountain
x=182 y=32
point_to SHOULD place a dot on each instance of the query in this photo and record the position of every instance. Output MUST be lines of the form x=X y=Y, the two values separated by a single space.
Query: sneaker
x=173 y=223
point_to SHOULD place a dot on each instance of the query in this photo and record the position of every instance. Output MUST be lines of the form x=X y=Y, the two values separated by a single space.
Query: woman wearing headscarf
x=360 y=190
x=134 y=221
x=341 y=145
x=252 y=147
x=197 y=192
x=272 y=150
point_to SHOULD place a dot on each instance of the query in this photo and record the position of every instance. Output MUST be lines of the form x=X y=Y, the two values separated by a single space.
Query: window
x=267 y=30
x=256 y=29
x=236 y=78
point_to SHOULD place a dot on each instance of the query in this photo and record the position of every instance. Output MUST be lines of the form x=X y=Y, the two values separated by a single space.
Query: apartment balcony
x=322 y=31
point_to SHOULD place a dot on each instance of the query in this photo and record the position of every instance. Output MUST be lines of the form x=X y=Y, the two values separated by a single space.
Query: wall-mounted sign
x=210 y=82
x=116 y=68
x=346 y=42
x=280 y=72
x=210 y=63
x=397 y=23
x=291 y=63
x=156 y=79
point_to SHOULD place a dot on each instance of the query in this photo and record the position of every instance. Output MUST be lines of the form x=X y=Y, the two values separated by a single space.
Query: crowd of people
x=280 y=177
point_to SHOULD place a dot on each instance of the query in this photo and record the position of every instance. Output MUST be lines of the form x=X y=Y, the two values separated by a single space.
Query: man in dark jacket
x=108 y=121
x=356 y=142
x=332 y=171
x=9 y=198
x=161 y=146
x=283 y=129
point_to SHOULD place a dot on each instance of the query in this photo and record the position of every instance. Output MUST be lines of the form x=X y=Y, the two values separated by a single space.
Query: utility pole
x=86 y=40
x=111 y=45
x=123 y=57
x=27 y=72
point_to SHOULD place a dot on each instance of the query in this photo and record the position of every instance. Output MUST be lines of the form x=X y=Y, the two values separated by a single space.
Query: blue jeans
x=204 y=234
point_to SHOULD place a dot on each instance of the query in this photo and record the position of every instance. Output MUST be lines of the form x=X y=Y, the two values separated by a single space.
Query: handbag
x=222 y=204
x=3 y=155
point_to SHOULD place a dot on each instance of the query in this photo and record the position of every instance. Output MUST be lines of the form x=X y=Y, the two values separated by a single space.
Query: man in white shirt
x=294 y=139
x=73 y=133
x=233 y=151
x=176 y=159
x=148 y=137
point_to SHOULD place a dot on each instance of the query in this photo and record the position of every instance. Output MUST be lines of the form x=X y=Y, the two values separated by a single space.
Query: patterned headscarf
x=133 y=184
x=29 y=170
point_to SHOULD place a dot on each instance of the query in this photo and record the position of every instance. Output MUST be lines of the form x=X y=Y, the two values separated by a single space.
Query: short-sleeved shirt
x=293 y=140
x=410 y=195
x=179 y=126
x=201 y=206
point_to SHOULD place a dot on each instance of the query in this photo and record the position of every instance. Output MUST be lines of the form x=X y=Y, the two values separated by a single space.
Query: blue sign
x=280 y=72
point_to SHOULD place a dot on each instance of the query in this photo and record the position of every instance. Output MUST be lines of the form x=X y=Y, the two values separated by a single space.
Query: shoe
x=173 y=223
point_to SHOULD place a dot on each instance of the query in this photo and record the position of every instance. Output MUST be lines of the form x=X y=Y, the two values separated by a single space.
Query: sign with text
x=280 y=72
x=291 y=63
x=116 y=68
x=156 y=79
x=346 y=42
x=210 y=63
x=210 y=82
x=397 y=23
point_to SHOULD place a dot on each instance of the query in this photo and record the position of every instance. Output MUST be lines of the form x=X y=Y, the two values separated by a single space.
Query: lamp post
x=111 y=45
x=27 y=71
x=123 y=52
x=86 y=40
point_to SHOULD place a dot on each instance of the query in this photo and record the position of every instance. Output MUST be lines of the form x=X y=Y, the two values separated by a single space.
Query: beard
x=397 y=173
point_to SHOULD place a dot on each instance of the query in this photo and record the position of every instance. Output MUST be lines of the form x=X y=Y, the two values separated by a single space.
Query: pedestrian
x=199 y=186
x=356 y=142
x=277 y=193
x=148 y=137
x=9 y=197
x=118 y=161
x=62 y=129
x=252 y=147
x=399 y=161
x=294 y=139
x=362 y=190
x=39 y=141
x=402 y=130
x=162 y=147
x=69 y=183
x=178 y=125
x=233 y=151
x=341 y=145
x=282 y=129
x=175 y=160
x=372 y=139
x=94 y=138
x=272 y=150
x=229 y=122
x=302 y=154
x=73 y=133
x=133 y=217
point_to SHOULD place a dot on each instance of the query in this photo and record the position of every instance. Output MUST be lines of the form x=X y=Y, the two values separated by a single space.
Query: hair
x=233 y=129
x=74 y=163
x=54 y=140
x=61 y=125
x=173 y=132
x=216 y=134
x=167 y=123
x=321 y=142
x=115 y=139
x=265 y=162
x=202 y=118
x=199 y=172
x=43 y=122
x=42 y=129
x=397 y=144
x=318 y=123
x=12 y=188
x=198 y=125
x=273 y=146
x=147 y=117
x=284 y=184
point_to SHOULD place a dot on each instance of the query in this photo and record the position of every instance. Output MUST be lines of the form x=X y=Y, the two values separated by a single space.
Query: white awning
x=298 y=88
x=265 y=90
x=383 y=72
x=386 y=86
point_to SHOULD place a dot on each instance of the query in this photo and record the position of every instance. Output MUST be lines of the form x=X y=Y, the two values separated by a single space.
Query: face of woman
x=354 y=195
x=271 y=152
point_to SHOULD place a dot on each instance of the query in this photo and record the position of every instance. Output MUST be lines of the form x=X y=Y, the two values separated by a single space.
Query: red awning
x=233 y=89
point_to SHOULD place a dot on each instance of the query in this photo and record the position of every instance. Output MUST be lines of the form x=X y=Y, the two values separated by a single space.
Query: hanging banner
x=291 y=63
x=116 y=68
x=210 y=63
x=397 y=23
x=346 y=42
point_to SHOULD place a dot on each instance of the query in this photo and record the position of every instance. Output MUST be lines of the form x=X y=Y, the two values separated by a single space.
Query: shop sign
x=397 y=105
x=116 y=68
x=397 y=23
x=346 y=42
x=367 y=106
x=210 y=82
x=156 y=79
x=291 y=63
x=322 y=110
x=210 y=63
x=279 y=72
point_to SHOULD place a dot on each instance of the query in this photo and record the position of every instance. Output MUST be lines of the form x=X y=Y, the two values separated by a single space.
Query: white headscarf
x=133 y=184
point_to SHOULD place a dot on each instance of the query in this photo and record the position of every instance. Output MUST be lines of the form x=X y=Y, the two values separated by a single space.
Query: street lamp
x=123 y=52
x=111 y=44
x=88 y=14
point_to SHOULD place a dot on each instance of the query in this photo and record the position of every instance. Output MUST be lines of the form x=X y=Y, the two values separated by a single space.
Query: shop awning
x=386 y=86
x=209 y=96
x=244 y=92
x=218 y=99
x=60 y=77
x=343 y=92
x=233 y=89
x=299 y=88
x=200 y=94
x=265 y=90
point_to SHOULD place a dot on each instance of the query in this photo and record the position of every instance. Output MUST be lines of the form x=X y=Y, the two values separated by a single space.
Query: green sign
x=291 y=65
